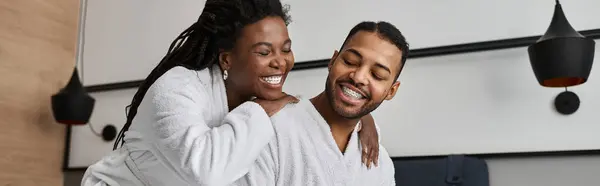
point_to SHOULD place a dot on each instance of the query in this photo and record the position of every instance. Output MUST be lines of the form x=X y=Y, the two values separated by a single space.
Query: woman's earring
x=225 y=75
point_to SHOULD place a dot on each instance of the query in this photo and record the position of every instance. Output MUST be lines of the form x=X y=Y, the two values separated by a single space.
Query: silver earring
x=225 y=75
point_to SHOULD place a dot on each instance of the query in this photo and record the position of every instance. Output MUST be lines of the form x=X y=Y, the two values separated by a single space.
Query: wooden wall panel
x=37 y=53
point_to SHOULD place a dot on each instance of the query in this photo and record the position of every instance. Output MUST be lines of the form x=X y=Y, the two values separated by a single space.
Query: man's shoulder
x=384 y=172
x=385 y=160
x=292 y=112
x=388 y=170
x=295 y=121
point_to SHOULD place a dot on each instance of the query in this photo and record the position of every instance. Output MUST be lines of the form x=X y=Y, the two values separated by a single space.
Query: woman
x=198 y=123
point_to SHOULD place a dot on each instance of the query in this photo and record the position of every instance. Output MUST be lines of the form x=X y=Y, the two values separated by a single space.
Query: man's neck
x=341 y=128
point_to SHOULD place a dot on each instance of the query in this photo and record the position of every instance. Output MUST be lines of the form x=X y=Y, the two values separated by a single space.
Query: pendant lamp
x=72 y=105
x=562 y=57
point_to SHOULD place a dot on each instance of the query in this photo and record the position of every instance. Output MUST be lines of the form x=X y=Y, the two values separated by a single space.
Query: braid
x=197 y=47
x=181 y=46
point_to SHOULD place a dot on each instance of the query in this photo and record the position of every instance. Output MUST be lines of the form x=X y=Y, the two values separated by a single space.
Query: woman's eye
x=263 y=53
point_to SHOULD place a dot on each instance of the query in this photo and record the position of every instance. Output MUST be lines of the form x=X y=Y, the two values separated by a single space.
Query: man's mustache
x=356 y=85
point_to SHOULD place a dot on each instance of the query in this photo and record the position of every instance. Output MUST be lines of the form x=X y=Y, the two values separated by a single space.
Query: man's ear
x=393 y=90
x=225 y=60
x=333 y=58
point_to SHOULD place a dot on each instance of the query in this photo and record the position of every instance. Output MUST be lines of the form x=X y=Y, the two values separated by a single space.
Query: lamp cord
x=81 y=56
x=83 y=84
x=94 y=131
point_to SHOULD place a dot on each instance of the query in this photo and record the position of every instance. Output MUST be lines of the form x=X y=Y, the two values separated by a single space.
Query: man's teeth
x=273 y=79
x=351 y=93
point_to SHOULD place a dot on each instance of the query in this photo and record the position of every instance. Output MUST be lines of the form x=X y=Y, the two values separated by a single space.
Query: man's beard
x=364 y=110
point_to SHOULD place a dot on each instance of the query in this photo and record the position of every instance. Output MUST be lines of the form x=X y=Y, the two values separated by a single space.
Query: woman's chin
x=271 y=95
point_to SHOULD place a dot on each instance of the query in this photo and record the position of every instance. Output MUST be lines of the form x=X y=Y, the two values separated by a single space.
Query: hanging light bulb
x=562 y=57
x=72 y=105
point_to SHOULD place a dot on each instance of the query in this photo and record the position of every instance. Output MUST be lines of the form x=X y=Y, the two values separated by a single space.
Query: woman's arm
x=200 y=154
x=369 y=138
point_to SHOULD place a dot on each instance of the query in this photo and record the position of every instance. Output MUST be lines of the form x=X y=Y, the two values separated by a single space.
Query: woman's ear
x=225 y=60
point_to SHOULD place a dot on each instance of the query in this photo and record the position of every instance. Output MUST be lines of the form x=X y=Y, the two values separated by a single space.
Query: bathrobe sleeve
x=265 y=170
x=201 y=155
x=389 y=180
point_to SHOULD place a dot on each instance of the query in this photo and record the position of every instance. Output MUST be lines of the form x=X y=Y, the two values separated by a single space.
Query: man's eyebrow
x=383 y=66
x=354 y=52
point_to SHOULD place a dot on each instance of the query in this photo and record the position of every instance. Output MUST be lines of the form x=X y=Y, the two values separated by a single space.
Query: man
x=316 y=140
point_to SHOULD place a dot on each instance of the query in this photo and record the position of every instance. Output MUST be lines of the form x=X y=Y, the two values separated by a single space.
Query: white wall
x=133 y=35
x=486 y=102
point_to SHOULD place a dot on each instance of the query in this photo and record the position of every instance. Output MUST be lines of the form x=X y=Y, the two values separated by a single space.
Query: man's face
x=363 y=75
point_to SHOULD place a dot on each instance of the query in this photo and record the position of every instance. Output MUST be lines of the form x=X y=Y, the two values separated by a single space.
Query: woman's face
x=261 y=59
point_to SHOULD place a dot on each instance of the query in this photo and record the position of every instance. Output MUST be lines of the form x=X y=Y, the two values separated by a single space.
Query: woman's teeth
x=351 y=93
x=273 y=79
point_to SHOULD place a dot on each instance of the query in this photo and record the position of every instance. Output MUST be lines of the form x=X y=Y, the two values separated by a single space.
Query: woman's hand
x=369 y=139
x=274 y=106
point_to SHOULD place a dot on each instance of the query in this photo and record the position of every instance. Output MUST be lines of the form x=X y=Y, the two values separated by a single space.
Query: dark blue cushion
x=455 y=170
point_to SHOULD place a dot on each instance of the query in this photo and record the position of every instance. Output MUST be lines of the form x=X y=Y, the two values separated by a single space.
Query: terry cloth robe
x=304 y=153
x=183 y=134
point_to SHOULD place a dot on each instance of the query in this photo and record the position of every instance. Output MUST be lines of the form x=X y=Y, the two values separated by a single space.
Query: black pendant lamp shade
x=561 y=57
x=72 y=105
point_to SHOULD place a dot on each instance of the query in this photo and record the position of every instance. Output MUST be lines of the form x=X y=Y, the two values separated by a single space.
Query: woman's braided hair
x=198 y=46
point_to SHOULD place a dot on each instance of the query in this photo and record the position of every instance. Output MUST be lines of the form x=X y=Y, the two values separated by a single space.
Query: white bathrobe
x=304 y=153
x=183 y=134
